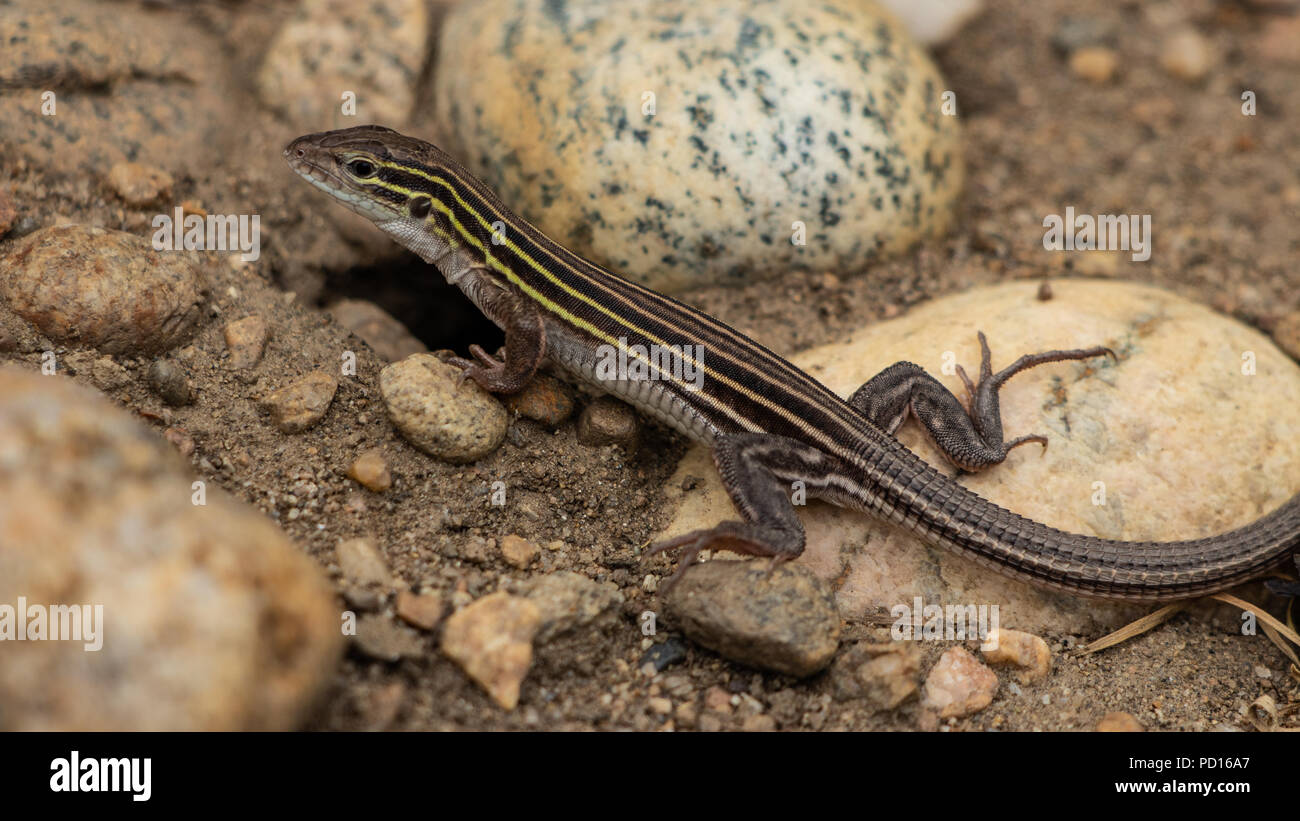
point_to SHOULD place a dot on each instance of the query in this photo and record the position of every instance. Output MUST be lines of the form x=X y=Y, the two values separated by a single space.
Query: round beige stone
x=103 y=289
x=1190 y=434
x=448 y=419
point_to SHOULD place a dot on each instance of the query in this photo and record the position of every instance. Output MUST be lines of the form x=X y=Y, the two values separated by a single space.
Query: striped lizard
x=768 y=423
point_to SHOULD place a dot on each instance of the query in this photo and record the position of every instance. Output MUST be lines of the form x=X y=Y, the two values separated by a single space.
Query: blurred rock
x=1187 y=55
x=1280 y=42
x=1096 y=64
x=362 y=563
x=1286 y=333
x=1119 y=723
x=567 y=601
x=518 y=551
x=126 y=83
x=545 y=399
x=607 y=421
x=374 y=50
x=8 y=212
x=388 y=337
x=423 y=610
x=381 y=639
x=211 y=618
x=934 y=21
x=139 y=184
x=883 y=675
x=246 y=341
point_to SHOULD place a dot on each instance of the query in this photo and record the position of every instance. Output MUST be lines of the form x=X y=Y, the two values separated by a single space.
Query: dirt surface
x=1223 y=190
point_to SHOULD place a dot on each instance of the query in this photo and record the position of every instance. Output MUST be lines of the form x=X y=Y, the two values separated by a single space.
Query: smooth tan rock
x=1186 y=444
x=1025 y=651
x=362 y=562
x=765 y=114
x=139 y=184
x=302 y=403
x=103 y=289
x=212 y=618
x=1187 y=55
x=958 y=685
x=370 y=469
x=1096 y=64
x=440 y=415
x=246 y=340
x=492 y=640
x=1119 y=723
x=423 y=610
x=518 y=551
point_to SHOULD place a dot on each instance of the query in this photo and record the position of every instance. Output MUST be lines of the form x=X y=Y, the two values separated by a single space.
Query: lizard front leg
x=757 y=470
x=971 y=440
x=525 y=343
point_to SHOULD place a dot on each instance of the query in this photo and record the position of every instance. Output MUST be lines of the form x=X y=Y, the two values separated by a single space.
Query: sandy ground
x=1224 y=193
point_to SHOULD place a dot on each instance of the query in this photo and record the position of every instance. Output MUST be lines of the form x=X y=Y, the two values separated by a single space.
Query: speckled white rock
x=764 y=114
x=1186 y=444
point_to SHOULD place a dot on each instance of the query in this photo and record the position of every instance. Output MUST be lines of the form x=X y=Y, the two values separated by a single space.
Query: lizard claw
x=690 y=544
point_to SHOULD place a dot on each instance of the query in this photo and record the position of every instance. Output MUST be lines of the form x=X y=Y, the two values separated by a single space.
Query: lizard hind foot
x=732 y=536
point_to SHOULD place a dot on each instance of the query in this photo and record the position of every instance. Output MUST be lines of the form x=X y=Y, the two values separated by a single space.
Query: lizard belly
x=650 y=396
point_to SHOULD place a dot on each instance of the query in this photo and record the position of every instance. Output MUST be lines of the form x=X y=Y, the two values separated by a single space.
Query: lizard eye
x=361 y=168
x=420 y=207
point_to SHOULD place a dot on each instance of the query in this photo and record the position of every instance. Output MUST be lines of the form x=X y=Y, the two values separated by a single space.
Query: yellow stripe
x=811 y=430
x=538 y=296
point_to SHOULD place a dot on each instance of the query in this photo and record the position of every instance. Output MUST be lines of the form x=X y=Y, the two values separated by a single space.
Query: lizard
x=768 y=423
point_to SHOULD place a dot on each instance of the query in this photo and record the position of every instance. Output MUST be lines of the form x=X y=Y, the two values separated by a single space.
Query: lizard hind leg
x=758 y=471
x=969 y=437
